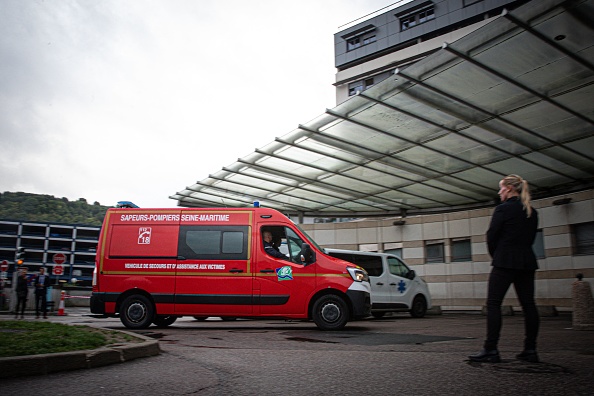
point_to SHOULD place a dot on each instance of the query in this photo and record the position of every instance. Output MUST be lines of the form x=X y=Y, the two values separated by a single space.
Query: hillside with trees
x=22 y=206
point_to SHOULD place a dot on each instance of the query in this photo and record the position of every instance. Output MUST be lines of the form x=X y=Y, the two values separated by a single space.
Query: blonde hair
x=520 y=186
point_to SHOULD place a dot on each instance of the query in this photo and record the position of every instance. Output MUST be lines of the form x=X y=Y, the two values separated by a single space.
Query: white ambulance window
x=371 y=264
x=397 y=267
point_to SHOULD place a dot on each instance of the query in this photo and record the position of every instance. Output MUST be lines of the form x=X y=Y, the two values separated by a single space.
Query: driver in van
x=269 y=246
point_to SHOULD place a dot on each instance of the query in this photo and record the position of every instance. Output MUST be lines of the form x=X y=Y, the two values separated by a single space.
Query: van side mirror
x=307 y=255
x=411 y=274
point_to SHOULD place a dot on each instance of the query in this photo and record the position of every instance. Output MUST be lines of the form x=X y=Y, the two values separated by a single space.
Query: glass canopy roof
x=516 y=96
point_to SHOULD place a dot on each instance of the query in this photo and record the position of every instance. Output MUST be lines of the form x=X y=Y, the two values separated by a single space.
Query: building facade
x=449 y=249
x=369 y=52
x=45 y=242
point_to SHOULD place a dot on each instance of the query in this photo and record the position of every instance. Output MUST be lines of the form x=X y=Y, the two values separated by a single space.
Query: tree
x=22 y=206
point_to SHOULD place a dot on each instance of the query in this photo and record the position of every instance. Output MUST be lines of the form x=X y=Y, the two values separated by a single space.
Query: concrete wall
x=463 y=285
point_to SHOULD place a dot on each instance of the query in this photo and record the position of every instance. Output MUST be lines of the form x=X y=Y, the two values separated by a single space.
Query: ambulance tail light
x=94 y=284
x=358 y=274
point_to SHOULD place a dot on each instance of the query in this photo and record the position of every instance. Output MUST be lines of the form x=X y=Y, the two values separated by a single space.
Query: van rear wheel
x=330 y=312
x=137 y=312
x=419 y=307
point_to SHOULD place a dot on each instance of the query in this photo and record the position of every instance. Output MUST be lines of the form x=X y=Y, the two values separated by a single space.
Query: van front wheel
x=137 y=312
x=330 y=312
x=419 y=307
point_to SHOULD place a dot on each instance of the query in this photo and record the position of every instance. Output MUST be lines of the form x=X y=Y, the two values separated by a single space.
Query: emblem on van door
x=144 y=235
x=284 y=273
x=401 y=286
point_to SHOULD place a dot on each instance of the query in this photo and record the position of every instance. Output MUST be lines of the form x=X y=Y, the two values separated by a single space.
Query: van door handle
x=267 y=271
x=380 y=283
x=392 y=284
x=235 y=270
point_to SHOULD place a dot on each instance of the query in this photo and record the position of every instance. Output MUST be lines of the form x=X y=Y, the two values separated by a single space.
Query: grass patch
x=19 y=338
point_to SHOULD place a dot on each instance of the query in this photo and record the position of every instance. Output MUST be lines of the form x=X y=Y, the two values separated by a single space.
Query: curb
x=43 y=364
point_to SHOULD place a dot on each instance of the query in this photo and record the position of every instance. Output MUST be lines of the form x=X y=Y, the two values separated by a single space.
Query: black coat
x=510 y=236
x=22 y=289
x=271 y=250
x=41 y=288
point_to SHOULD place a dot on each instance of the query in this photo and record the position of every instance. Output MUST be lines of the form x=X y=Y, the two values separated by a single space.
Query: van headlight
x=358 y=274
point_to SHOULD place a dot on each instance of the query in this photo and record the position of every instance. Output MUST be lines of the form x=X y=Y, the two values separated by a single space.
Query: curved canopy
x=515 y=96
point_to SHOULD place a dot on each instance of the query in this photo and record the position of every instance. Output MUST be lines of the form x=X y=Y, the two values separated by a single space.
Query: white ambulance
x=394 y=286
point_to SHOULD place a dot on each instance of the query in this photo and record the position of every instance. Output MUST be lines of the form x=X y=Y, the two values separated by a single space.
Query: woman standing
x=509 y=239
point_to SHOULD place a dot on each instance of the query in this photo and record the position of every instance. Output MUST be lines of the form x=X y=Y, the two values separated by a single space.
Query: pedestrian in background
x=510 y=237
x=22 y=291
x=41 y=285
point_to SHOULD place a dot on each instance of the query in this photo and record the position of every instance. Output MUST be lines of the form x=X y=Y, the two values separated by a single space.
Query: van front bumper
x=361 y=303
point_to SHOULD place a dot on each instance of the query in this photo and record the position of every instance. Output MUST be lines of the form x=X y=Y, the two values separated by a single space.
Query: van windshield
x=309 y=238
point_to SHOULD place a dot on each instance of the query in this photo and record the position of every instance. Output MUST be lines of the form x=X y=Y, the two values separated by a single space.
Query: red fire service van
x=155 y=265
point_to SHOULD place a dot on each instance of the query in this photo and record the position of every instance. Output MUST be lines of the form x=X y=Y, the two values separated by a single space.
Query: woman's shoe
x=486 y=356
x=528 y=355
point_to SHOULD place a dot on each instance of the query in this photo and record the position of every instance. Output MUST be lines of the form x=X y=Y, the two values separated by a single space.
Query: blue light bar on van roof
x=126 y=204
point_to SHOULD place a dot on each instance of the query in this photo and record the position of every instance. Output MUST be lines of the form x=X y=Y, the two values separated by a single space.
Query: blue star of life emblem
x=401 y=286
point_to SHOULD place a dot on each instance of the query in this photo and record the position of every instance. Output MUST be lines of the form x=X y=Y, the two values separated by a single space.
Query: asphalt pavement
x=396 y=354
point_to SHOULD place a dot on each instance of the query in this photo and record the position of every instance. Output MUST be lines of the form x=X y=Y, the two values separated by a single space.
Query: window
x=355 y=88
x=434 y=252
x=295 y=243
x=538 y=245
x=411 y=20
x=583 y=237
x=395 y=252
x=426 y=15
x=360 y=86
x=369 y=40
x=371 y=264
x=353 y=43
x=361 y=39
x=213 y=242
x=461 y=250
x=397 y=267
x=288 y=243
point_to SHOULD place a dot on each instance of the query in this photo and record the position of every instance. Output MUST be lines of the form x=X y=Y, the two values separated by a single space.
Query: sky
x=113 y=100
